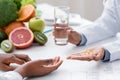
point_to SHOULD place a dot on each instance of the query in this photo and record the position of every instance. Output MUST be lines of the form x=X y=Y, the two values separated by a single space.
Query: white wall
x=90 y=9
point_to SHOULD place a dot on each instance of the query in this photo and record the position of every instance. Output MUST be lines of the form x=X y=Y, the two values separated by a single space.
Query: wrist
x=83 y=40
x=22 y=72
x=106 y=56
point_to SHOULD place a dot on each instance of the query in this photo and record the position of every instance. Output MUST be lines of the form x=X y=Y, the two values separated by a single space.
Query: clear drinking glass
x=61 y=17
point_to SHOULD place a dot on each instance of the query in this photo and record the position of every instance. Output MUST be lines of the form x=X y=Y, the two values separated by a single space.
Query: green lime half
x=7 y=46
x=40 y=37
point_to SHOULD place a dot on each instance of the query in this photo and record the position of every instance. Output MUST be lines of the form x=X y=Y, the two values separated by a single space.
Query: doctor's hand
x=96 y=54
x=7 y=59
x=39 y=67
x=73 y=36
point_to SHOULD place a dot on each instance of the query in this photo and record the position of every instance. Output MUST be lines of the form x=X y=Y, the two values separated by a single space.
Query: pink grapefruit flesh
x=21 y=37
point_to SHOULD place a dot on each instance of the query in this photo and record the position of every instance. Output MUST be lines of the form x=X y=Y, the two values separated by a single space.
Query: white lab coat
x=106 y=26
x=11 y=75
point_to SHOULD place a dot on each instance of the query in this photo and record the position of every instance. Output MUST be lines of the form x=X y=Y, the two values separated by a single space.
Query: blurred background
x=89 y=9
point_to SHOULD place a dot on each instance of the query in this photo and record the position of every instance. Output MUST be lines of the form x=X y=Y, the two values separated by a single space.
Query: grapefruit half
x=21 y=37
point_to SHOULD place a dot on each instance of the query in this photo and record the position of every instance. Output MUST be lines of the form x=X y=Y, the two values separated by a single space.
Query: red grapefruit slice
x=21 y=37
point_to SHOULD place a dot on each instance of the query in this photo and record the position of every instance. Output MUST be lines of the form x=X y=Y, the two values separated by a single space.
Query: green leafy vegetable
x=8 y=12
x=24 y=2
x=18 y=3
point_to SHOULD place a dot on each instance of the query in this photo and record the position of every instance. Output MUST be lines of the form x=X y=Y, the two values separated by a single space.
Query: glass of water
x=61 y=18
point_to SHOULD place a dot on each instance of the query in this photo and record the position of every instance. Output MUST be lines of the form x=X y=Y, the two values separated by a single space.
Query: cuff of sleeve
x=106 y=57
x=12 y=75
x=83 y=41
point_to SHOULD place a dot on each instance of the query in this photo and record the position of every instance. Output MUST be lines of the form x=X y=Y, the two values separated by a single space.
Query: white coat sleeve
x=113 y=48
x=104 y=27
x=11 y=75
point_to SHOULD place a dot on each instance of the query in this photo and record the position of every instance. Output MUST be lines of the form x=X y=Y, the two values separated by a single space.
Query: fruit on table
x=26 y=12
x=3 y=35
x=7 y=46
x=40 y=37
x=21 y=37
x=36 y=24
x=1 y=28
x=12 y=26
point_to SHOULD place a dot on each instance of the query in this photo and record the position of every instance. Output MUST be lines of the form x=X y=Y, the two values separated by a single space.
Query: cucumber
x=40 y=37
x=7 y=46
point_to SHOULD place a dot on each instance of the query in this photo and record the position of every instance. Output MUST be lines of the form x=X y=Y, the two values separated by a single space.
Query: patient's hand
x=7 y=59
x=39 y=67
x=96 y=54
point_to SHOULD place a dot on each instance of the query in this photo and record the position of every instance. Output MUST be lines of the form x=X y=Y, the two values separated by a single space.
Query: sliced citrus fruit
x=3 y=35
x=33 y=15
x=1 y=28
x=21 y=37
x=7 y=46
x=12 y=26
x=40 y=37
x=26 y=12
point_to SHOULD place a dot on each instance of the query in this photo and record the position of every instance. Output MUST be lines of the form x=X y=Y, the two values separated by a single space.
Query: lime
x=40 y=37
x=3 y=35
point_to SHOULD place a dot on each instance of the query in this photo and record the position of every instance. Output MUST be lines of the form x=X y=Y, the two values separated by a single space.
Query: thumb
x=69 y=31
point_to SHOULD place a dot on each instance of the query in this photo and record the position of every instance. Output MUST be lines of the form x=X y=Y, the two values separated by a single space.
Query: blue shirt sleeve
x=106 y=57
x=83 y=41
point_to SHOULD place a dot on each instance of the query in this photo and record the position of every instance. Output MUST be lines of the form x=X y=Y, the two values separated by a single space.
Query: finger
x=79 y=54
x=69 y=31
x=13 y=60
x=74 y=37
x=73 y=33
x=78 y=57
x=56 y=59
x=98 y=57
x=53 y=67
x=69 y=28
x=6 y=67
x=76 y=54
x=91 y=57
x=45 y=62
x=60 y=25
x=24 y=57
